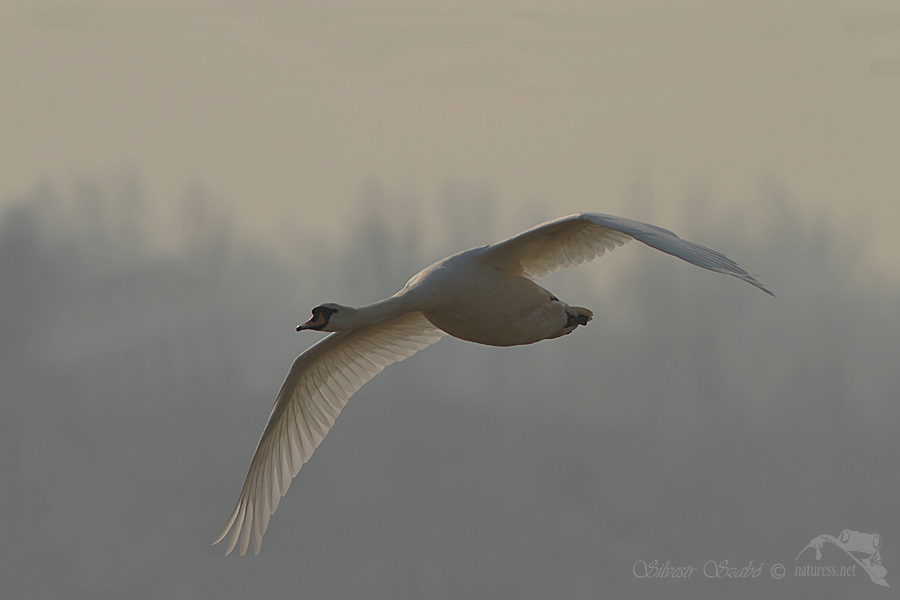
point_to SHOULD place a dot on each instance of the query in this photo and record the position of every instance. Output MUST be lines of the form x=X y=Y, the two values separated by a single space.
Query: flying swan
x=485 y=295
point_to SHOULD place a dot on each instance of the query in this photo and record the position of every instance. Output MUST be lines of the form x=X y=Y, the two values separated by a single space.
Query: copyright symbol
x=777 y=571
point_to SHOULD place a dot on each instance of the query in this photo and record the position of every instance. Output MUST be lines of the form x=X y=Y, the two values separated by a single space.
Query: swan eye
x=324 y=313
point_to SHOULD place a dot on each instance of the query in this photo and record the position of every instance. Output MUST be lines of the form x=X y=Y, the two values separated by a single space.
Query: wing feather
x=569 y=241
x=315 y=391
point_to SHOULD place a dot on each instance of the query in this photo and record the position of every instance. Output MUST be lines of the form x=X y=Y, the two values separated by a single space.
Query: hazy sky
x=284 y=112
x=694 y=419
x=326 y=154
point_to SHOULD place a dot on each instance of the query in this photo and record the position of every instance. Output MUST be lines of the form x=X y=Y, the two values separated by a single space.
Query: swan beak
x=317 y=321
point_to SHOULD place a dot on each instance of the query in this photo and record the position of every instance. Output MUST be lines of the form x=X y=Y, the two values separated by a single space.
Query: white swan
x=485 y=295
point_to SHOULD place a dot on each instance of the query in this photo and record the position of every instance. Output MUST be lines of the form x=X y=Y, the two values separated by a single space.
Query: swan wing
x=317 y=387
x=572 y=240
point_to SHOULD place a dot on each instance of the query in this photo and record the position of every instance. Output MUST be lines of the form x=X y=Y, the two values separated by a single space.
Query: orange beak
x=316 y=321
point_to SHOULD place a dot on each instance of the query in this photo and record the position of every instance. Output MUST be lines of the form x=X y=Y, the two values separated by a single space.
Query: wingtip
x=763 y=288
x=222 y=535
x=760 y=286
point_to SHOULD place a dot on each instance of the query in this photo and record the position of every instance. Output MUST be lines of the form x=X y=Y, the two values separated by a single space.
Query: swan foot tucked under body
x=578 y=316
x=485 y=295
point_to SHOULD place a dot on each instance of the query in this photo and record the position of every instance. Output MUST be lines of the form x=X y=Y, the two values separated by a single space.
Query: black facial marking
x=324 y=313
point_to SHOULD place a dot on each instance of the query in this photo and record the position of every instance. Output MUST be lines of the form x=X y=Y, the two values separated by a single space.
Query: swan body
x=485 y=295
x=466 y=297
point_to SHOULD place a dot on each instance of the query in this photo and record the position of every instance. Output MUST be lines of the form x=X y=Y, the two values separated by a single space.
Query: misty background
x=181 y=181
x=694 y=419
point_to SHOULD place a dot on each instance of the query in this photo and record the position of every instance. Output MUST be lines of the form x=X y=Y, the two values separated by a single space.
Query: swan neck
x=383 y=310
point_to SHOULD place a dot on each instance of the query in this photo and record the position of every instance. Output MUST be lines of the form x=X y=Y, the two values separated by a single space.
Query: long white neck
x=383 y=310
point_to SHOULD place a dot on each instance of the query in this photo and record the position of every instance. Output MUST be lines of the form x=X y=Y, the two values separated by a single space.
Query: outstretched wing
x=570 y=241
x=317 y=387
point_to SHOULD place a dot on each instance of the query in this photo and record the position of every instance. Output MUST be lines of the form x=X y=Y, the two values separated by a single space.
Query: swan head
x=331 y=317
